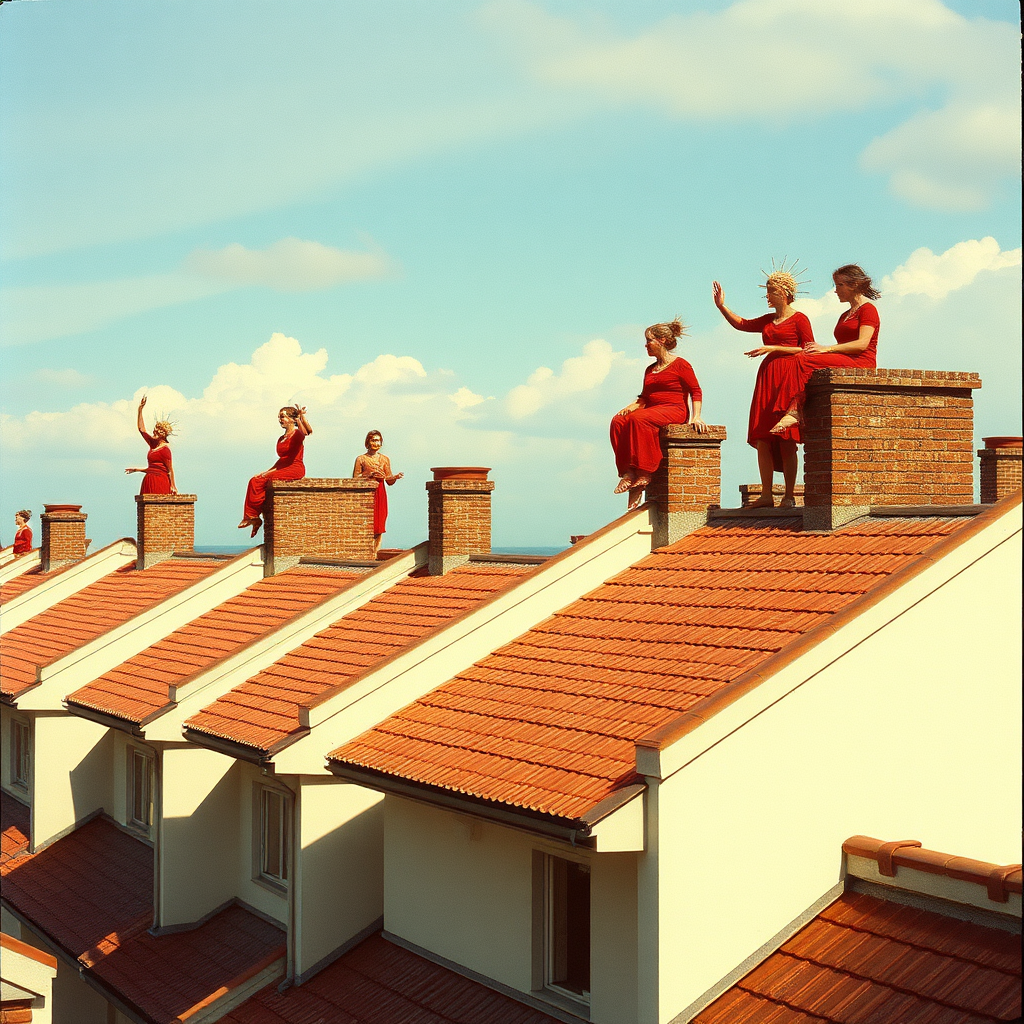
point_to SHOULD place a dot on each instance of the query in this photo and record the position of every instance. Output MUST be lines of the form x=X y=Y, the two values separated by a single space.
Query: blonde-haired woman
x=289 y=465
x=159 y=469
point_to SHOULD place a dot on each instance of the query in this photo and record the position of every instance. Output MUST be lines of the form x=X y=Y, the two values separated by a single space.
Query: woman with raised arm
x=22 y=532
x=289 y=465
x=159 y=469
x=856 y=335
x=784 y=334
x=670 y=394
x=377 y=466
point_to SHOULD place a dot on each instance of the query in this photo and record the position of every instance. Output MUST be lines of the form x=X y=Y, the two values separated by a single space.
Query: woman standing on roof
x=22 y=532
x=289 y=465
x=377 y=466
x=159 y=478
x=784 y=334
x=856 y=335
x=670 y=390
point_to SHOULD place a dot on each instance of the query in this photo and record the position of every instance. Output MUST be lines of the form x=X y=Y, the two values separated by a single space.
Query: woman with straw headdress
x=159 y=470
x=784 y=334
x=670 y=391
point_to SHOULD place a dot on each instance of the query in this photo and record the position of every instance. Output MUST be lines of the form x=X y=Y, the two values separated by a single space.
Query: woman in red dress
x=376 y=465
x=856 y=335
x=22 y=532
x=784 y=334
x=159 y=478
x=670 y=389
x=289 y=464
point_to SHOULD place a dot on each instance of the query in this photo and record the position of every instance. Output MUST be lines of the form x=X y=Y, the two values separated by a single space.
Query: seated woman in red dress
x=670 y=389
x=159 y=478
x=784 y=334
x=289 y=464
x=376 y=465
x=22 y=532
x=856 y=335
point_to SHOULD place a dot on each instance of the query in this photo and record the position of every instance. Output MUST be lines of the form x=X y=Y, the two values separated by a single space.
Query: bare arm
x=357 y=469
x=718 y=293
x=695 y=421
x=389 y=477
x=140 y=422
x=300 y=420
x=850 y=348
x=763 y=350
x=170 y=473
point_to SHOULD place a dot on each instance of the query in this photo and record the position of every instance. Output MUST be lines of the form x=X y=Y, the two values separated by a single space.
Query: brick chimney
x=688 y=482
x=1000 y=467
x=886 y=437
x=63 y=540
x=458 y=516
x=325 y=517
x=166 y=523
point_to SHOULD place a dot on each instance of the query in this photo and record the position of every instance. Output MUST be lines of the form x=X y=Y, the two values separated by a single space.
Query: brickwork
x=688 y=481
x=166 y=523
x=749 y=493
x=63 y=536
x=1000 y=467
x=887 y=437
x=328 y=517
x=458 y=516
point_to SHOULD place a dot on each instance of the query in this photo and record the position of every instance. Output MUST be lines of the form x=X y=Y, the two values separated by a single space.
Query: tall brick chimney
x=458 y=516
x=166 y=523
x=688 y=482
x=63 y=536
x=886 y=437
x=326 y=517
x=1000 y=467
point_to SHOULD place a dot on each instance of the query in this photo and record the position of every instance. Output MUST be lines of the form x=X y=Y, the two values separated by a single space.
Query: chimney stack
x=688 y=482
x=886 y=437
x=166 y=523
x=63 y=540
x=1000 y=467
x=458 y=516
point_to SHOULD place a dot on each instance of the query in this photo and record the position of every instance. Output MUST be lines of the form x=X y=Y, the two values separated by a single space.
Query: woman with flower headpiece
x=159 y=470
x=670 y=390
x=784 y=334
x=856 y=334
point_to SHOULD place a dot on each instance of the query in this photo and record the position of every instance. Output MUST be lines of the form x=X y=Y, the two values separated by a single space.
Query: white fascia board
x=193 y=694
x=670 y=759
x=623 y=830
x=10 y=570
x=433 y=661
x=66 y=583
x=91 y=660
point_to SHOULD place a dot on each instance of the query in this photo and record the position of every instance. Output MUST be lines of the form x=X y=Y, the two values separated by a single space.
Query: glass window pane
x=568 y=939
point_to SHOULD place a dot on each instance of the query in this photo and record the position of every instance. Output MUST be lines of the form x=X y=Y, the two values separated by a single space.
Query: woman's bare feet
x=787 y=421
x=788 y=502
x=244 y=523
x=257 y=525
x=765 y=501
x=636 y=497
x=624 y=484
x=642 y=480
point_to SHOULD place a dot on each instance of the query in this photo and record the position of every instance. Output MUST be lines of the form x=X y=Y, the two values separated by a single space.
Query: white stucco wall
x=268 y=901
x=74 y=1001
x=914 y=733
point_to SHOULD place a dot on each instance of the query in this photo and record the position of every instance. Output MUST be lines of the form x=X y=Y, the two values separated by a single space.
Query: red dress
x=288 y=467
x=666 y=397
x=158 y=467
x=777 y=374
x=22 y=540
x=380 y=508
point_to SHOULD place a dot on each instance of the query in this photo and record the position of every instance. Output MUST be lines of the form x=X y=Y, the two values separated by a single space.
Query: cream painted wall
x=342 y=871
x=74 y=1001
x=914 y=733
x=268 y=901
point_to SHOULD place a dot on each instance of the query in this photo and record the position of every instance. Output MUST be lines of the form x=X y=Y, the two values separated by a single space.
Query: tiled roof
x=864 y=960
x=14 y=819
x=263 y=712
x=88 y=614
x=381 y=983
x=137 y=688
x=25 y=582
x=91 y=894
x=550 y=721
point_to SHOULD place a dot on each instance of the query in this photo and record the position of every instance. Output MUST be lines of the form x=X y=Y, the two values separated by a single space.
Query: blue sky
x=451 y=222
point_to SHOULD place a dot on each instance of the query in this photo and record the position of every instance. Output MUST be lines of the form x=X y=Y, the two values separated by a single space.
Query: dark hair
x=25 y=514
x=666 y=333
x=858 y=279
x=292 y=410
x=372 y=433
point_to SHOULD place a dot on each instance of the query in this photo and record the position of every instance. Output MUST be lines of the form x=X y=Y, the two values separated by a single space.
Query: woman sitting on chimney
x=159 y=470
x=289 y=465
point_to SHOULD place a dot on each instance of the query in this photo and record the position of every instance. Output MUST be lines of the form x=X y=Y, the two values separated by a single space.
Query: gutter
x=232 y=748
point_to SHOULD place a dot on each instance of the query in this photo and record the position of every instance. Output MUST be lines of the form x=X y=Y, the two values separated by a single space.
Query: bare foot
x=636 y=497
x=787 y=421
x=257 y=525
x=643 y=480
x=765 y=501
x=788 y=502
x=244 y=523
x=624 y=484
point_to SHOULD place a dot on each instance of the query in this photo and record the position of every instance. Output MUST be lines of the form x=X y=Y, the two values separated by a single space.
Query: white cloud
x=924 y=273
x=67 y=379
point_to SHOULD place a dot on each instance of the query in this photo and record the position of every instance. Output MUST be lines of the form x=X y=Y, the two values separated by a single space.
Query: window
x=141 y=776
x=21 y=753
x=273 y=837
x=567 y=927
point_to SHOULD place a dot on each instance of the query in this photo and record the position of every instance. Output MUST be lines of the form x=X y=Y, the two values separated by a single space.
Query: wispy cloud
x=925 y=273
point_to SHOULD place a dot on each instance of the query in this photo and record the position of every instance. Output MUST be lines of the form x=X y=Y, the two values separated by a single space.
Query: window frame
x=552 y=944
x=262 y=868
x=20 y=765
x=135 y=755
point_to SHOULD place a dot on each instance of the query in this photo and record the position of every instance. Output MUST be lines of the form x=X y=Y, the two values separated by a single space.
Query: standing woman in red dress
x=670 y=389
x=784 y=334
x=377 y=466
x=159 y=478
x=289 y=465
x=856 y=335
x=22 y=532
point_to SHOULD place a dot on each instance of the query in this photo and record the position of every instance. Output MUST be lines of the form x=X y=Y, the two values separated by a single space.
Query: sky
x=451 y=222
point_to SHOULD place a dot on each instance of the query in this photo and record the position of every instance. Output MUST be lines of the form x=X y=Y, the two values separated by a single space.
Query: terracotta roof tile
x=549 y=721
x=91 y=894
x=14 y=817
x=263 y=711
x=88 y=614
x=864 y=959
x=137 y=688
x=28 y=580
x=380 y=982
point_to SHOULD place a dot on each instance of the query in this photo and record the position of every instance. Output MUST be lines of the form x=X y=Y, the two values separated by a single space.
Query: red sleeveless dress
x=158 y=467
x=289 y=466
